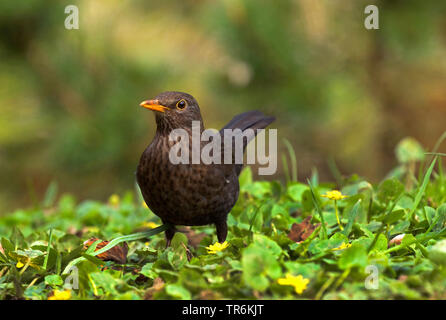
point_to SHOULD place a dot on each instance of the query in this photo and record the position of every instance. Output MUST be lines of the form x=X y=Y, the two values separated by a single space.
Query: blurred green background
x=69 y=98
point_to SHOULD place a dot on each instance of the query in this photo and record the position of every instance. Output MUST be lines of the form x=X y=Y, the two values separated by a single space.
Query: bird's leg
x=169 y=235
x=222 y=230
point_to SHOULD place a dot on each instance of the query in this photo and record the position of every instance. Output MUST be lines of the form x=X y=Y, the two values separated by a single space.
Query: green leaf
x=7 y=246
x=390 y=190
x=3 y=258
x=429 y=214
x=17 y=238
x=178 y=292
x=292 y=155
x=30 y=253
x=132 y=237
x=106 y=281
x=194 y=279
x=92 y=247
x=148 y=271
x=355 y=256
x=381 y=243
x=50 y=195
x=259 y=265
x=295 y=191
x=45 y=263
x=437 y=252
x=259 y=189
x=179 y=240
x=392 y=217
x=408 y=240
x=440 y=218
x=245 y=177
x=318 y=209
x=270 y=245
x=278 y=209
x=307 y=270
x=307 y=201
x=351 y=218
x=93 y=259
x=177 y=257
x=256 y=221
x=53 y=280
x=400 y=227
x=325 y=245
x=422 y=188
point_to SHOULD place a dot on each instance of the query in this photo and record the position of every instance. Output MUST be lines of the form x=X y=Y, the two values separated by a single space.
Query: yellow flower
x=343 y=246
x=61 y=295
x=92 y=229
x=214 y=248
x=114 y=200
x=298 y=282
x=334 y=195
x=19 y=265
x=150 y=224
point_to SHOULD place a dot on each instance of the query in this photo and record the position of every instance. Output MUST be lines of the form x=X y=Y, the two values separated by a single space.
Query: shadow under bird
x=190 y=194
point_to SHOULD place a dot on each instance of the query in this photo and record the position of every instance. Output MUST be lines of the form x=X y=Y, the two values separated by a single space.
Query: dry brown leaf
x=158 y=285
x=118 y=253
x=301 y=231
x=207 y=294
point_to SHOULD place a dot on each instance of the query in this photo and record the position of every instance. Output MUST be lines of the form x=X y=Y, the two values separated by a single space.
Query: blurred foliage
x=69 y=98
x=392 y=245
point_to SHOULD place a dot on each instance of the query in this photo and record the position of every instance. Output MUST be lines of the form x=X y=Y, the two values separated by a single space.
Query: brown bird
x=190 y=194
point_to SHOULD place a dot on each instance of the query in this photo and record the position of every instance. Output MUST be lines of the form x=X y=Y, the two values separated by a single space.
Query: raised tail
x=247 y=120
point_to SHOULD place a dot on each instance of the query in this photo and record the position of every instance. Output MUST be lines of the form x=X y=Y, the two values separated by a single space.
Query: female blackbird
x=189 y=194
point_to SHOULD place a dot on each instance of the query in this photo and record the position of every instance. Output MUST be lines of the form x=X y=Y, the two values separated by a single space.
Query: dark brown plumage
x=189 y=194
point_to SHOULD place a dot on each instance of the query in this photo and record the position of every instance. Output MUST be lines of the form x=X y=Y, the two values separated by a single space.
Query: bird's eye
x=181 y=104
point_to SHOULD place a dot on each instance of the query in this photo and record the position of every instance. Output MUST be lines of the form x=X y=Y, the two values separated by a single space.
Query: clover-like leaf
x=355 y=256
x=259 y=266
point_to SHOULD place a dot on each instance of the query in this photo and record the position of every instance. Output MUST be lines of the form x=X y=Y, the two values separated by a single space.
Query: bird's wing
x=248 y=120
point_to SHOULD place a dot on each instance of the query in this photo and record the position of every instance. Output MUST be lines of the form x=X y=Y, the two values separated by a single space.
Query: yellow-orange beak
x=153 y=105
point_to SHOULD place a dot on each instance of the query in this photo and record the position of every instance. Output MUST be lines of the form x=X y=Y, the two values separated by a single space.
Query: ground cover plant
x=349 y=239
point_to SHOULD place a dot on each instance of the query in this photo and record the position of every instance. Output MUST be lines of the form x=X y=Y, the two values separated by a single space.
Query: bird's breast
x=185 y=194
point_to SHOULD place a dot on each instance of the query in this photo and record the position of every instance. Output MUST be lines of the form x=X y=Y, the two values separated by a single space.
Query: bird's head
x=173 y=110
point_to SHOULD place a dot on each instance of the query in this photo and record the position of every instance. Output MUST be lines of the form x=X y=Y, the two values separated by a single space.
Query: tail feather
x=248 y=120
